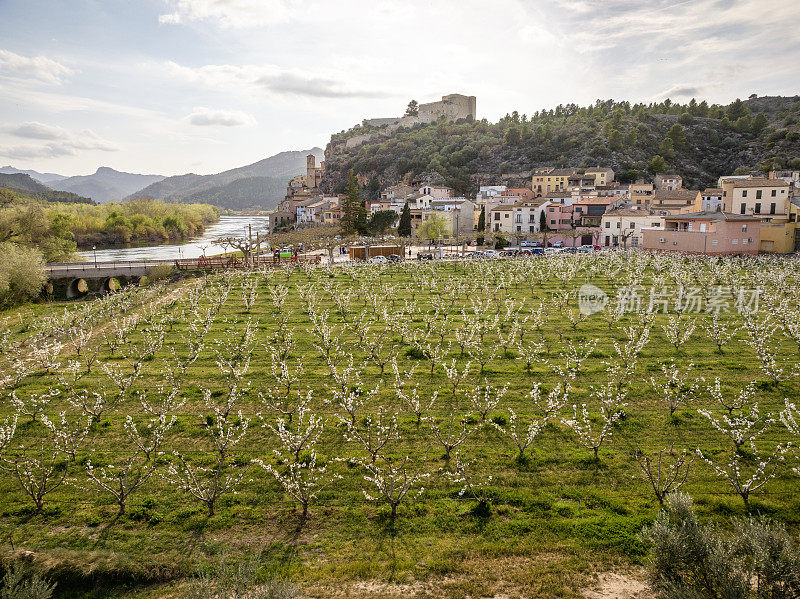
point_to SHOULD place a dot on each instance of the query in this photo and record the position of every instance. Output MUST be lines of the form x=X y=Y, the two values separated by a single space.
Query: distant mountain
x=30 y=188
x=41 y=177
x=106 y=184
x=261 y=184
x=242 y=194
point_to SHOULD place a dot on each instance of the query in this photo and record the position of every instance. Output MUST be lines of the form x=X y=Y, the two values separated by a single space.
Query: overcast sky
x=175 y=86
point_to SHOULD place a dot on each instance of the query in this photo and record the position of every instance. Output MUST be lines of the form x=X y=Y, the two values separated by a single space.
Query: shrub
x=757 y=559
x=19 y=583
x=22 y=275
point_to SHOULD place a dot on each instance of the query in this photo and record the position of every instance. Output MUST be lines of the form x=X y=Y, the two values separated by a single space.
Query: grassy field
x=539 y=525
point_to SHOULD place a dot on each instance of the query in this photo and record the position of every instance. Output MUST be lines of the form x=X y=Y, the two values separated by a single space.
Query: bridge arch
x=77 y=288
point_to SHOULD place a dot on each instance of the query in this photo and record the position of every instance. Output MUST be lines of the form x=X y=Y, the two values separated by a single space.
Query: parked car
x=536 y=244
x=491 y=254
x=558 y=244
x=586 y=248
x=539 y=251
x=424 y=256
x=379 y=260
x=552 y=250
x=569 y=250
x=394 y=258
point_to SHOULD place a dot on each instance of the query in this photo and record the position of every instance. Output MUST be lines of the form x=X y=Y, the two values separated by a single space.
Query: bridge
x=76 y=279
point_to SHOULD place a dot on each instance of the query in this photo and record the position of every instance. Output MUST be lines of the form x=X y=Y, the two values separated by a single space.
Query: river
x=228 y=226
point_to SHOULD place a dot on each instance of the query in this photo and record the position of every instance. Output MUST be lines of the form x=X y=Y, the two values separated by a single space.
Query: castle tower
x=311 y=171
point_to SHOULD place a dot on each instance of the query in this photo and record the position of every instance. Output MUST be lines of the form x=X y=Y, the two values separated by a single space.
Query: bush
x=758 y=559
x=18 y=583
x=22 y=275
x=500 y=242
x=160 y=272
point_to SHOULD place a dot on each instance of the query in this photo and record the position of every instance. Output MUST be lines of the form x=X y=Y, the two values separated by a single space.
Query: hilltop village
x=565 y=207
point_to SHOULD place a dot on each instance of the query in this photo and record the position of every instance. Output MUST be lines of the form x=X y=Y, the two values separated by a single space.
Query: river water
x=228 y=226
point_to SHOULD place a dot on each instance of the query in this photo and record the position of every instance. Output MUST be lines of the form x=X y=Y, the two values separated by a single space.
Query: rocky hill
x=106 y=184
x=697 y=140
x=260 y=185
x=28 y=187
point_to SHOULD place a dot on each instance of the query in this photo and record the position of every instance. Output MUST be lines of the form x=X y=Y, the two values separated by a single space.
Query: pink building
x=712 y=233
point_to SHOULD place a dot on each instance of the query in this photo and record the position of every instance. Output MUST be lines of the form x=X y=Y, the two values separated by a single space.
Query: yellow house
x=684 y=200
x=602 y=176
x=543 y=183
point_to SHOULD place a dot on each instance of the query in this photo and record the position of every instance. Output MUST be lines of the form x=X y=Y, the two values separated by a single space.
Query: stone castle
x=451 y=107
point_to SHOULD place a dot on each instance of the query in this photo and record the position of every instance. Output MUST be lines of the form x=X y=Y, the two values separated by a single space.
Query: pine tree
x=543 y=222
x=657 y=165
x=404 y=227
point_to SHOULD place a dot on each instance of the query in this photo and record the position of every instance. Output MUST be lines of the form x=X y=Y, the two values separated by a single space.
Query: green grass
x=556 y=516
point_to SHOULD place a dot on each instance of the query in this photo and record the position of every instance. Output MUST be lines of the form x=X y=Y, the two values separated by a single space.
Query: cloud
x=207 y=117
x=37 y=67
x=233 y=14
x=61 y=142
x=37 y=131
x=682 y=91
x=270 y=78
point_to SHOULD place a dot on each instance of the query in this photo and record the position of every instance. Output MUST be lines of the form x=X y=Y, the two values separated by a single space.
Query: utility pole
x=250 y=241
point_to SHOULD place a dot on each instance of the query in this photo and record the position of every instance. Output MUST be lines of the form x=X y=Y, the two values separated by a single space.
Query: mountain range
x=105 y=185
x=258 y=185
x=27 y=186
x=261 y=184
x=40 y=177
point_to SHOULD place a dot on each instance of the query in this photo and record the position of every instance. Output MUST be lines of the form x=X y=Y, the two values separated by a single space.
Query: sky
x=175 y=86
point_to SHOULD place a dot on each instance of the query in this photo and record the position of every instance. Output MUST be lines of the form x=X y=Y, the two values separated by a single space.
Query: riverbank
x=205 y=243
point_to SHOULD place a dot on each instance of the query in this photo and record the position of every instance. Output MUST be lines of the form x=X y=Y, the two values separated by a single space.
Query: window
x=532 y=218
x=662 y=240
x=519 y=229
x=744 y=228
x=619 y=225
x=519 y=218
x=734 y=241
x=714 y=242
x=773 y=192
x=758 y=194
x=744 y=241
x=757 y=209
x=772 y=208
x=743 y=207
x=633 y=225
x=608 y=225
x=744 y=193
x=496 y=216
x=533 y=229
x=552 y=222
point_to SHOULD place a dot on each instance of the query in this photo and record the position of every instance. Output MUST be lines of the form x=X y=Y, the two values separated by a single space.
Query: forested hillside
x=22 y=183
x=697 y=140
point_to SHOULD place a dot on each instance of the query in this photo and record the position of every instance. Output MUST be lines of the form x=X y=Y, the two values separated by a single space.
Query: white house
x=623 y=226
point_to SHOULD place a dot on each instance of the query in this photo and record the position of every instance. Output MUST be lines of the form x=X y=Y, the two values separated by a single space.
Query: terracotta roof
x=558 y=194
x=675 y=194
x=598 y=169
x=712 y=191
x=713 y=215
x=757 y=182
x=502 y=207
